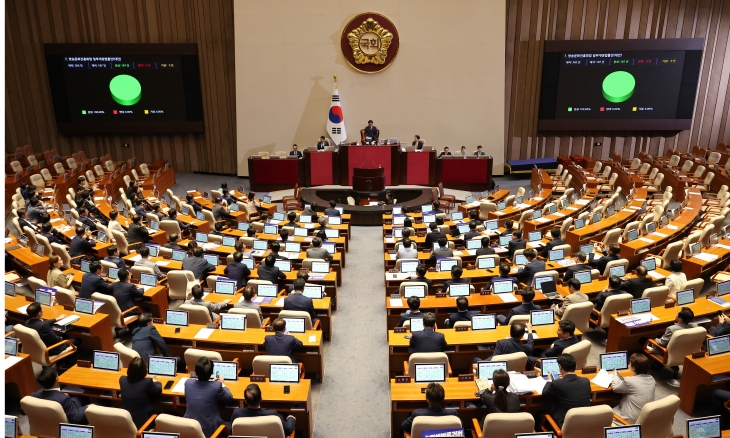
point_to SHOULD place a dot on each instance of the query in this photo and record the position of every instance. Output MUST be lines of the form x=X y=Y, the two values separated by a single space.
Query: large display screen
x=125 y=88
x=619 y=84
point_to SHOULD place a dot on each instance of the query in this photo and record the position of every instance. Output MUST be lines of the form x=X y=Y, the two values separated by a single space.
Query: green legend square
x=83 y=111
x=570 y=108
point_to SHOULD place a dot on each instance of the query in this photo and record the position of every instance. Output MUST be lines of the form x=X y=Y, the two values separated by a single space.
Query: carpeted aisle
x=355 y=396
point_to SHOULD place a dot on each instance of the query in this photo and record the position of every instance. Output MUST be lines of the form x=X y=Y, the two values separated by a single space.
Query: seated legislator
x=486 y=248
x=371 y=133
x=82 y=244
x=322 y=143
x=580 y=266
x=534 y=265
x=421 y=276
x=417 y=142
x=443 y=250
x=677 y=280
x=23 y=220
x=197 y=299
x=247 y=303
x=252 y=395
x=137 y=233
x=267 y=271
x=298 y=301
x=138 y=391
x=445 y=152
x=197 y=264
x=434 y=236
x=332 y=211
x=497 y=399
x=91 y=282
x=125 y=292
x=49 y=233
x=145 y=262
x=114 y=225
x=203 y=397
x=514 y=344
x=462 y=312
x=45 y=328
x=556 y=240
x=427 y=340
x=575 y=297
x=73 y=407
x=683 y=321
x=456 y=273
x=139 y=208
x=147 y=341
x=292 y=217
x=407 y=250
x=294 y=152
x=414 y=310
x=113 y=257
x=190 y=200
x=472 y=233
x=638 y=389
x=568 y=391
x=516 y=243
x=172 y=241
x=281 y=343
x=504 y=270
x=435 y=397
x=479 y=151
x=317 y=252
x=614 y=283
x=236 y=270
x=508 y=224
x=613 y=254
x=220 y=213
x=310 y=211
x=56 y=277
x=85 y=219
x=637 y=286
x=276 y=246
x=722 y=328
x=566 y=338
x=527 y=306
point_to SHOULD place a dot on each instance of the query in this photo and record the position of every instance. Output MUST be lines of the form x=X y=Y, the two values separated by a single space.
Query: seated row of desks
x=101 y=384
x=238 y=216
x=340 y=242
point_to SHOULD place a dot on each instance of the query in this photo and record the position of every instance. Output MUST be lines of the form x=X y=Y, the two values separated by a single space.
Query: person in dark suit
x=267 y=270
x=252 y=395
x=292 y=217
x=137 y=390
x=112 y=257
x=237 y=270
x=445 y=152
x=456 y=273
x=281 y=343
x=613 y=254
x=23 y=221
x=504 y=270
x=276 y=246
x=298 y=301
x=132 y=190
x=139 y=209
x=35 y=209
x=555 y=234
x=566 y=338
x=427 y=340
x=637 y=286
x=443 y=250
x=172 y=216
x=322 y=143
x=508 y=227
x=92 y=282
x=516 y=243
x=568 y=391
x=226 y=197
x=44 y=328
x=190 y=200
x=332 y=211
x=486 y=249
x=417 y=142
x=146 y=340
x=310 y=211
x=514 y=344
x=49 y=233
x=434 y=236
x=220 y=213
x=497 y=399
x=722 y=328
x=172 y=242
x=73 y=407
x=136 y=232
x=614 y=284
x=125 y=293
x=479 y=151
x=435 y=398
x=371 y=133
x=421 y=276
x=82 y=244
x=462 y=312
x=472 y=233
x=580 y=266
x=203 y=397
x=294 y=152
x=528 y=294
x=197 y=264
x=414 y=311
x=533 y=266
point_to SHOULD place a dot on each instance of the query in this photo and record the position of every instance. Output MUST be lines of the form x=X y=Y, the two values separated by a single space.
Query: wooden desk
x=479 y=278
x=621 y=337
x=699 y=375
x=464 y=346
x=26 y=260
x=94 y=330
x=696 y=268
x=493 y=198
x=546 y=223
x=538 y=202
x=101 y=384
x=19 y=378
x=242 y=345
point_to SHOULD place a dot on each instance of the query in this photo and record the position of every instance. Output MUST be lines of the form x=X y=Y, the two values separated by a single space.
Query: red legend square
x=115 y=111
x=602 y=108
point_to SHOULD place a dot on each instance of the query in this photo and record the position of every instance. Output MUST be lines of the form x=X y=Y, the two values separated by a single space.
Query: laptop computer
x=106 y=360
x=484 y=322
x=615 y=361
x=284 y=373
x=176 y=317
x=233 y=321
x=486 y=369
x=718 y=345
x=704 y=427
x=584 y=277
x=162 y=366
x=430 y=372
x=542 y=317
x=415 y=291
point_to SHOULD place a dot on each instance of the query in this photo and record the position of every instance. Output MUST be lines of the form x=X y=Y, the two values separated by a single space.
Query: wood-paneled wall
x=29 y=110
x=531 y=22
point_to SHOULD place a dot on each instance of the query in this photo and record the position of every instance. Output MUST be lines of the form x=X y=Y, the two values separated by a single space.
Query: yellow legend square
x=631 y=110
x=148 y=111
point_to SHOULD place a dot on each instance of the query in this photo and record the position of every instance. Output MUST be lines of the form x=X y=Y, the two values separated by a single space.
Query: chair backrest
x=695 y=284
x=44 y=416
x=415 y=358
x=35 y=283
x=261 y=363
x=110 y=422
x=253 y=320
x=705 y=235
x=612 y=306
x=613 y=263
x=126 y=354
x=423 y=423
x=515 y=361
x=580 y=351
x=526 y=215
x=519 y=318
x=298 y=314
x=71 y=162
x=265 y=425
x=644 y=169
x=658 y=295
x=61 y=252
x=197 y=314
x=46 y=174
x=611 y=237
x=635 y=163
x=110 y=307
x=171 y=227
x=99 y=171
x=90 y=176
x=145 y=170
x=671 y=252
x=579 y=314
x=16 y=166
x=699 y=171
x=60 y=170
x=683 y=343
x=32 y=344
x=109 y=164
x=689 y=240
x=510 y=200
x=209 y=218
x=564 y=229
x=657 y=417
x=485 y=208
x=186 y=427
x=193 y=355
x=597 y=167
x=506 y=425
x=65 y=297
x=180 y=283
x=658 y=181
x=33 y=161
x=136 y=271
x=674 y=160
x=587 y=421
x=121 y=242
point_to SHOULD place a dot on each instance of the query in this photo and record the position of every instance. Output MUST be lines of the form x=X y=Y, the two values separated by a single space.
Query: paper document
x=572 y=208
x=542 y=220
x=389 y=240
x=312 y=339
x=656 y=233
x=309 y=226
x=720 y=245
x=655 y=275
x=559 y=214
x=538 y=384
x=706 y=257
x=498 y=213
x=582 y=202
x=519 y=384
x=602 y=379
x=11 y=360
x=537 y=198
x=279 y=302
x=163 y=262
x=136 y=258
x=393 y=256
x=534 y=244
x=521 y=206
x=396 y=302
x=68 y=320
x=507 y=298
x=672 y=227
x=524 y=337
x=98 y=198
x=204 y=333
x=22 y=309
x=646 y=239
x=471 y=252
x=566 y=262
x=180 y=387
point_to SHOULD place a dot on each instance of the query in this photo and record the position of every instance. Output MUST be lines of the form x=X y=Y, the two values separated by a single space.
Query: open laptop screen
x=486 y=369
x=430 y=372
x=704 y=427
x=718 y=345
x=632 y=431
x=615 y=361
x=484 y=322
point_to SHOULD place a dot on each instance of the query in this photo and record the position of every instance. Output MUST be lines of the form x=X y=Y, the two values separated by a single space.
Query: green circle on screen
x=618 y=86
x=125 y=89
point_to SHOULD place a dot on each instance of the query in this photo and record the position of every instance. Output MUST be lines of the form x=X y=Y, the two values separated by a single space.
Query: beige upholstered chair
x=170 y=227
x=180 y=283
x=35 y=283
x=612 y=306
x=262 y=364
x=197 y=314
x=524 y=319
x=683 y=343
x=405 y=284
x=526 y=215
x=37 y=350
x=253 y=320
x=612 y=263
x=121 y=242
x=410 y=366
x=658 y=295
x=580 y=352
x=193 y=355
x=579 y=314
x=423 y=423
x=44 y=416
x=110 y=307
x=265 y=426
x=137 y=271
x=485 y=208
x=301 y=314
x=126 y=354
x=581 y=422
x=695 y=284
x=65 y=297
x=113 y=422
x=186 y=427
x=515 y=361
x=504 y=425
x=656 y=417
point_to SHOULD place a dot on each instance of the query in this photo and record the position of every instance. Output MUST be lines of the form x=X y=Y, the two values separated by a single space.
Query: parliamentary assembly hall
x=385 y=219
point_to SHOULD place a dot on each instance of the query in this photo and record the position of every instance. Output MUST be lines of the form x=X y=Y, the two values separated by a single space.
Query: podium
x=368 y=180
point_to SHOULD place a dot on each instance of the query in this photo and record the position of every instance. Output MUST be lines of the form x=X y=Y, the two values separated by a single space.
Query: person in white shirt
x=114 y=225
x=407 y=250
x=638 y=389
x=675 y=281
